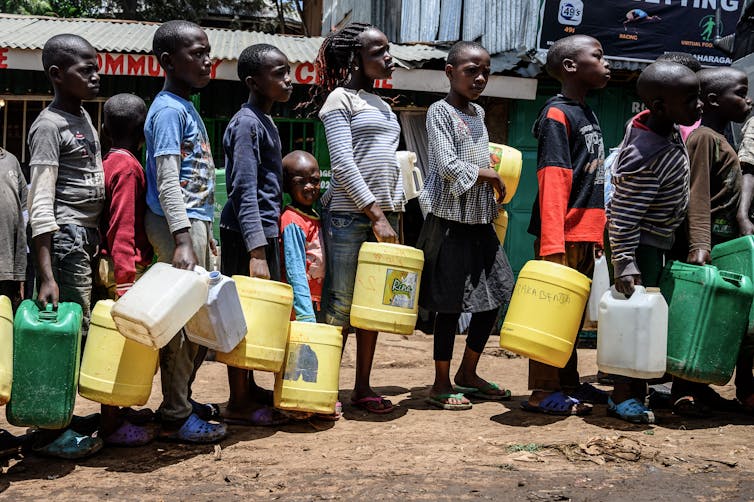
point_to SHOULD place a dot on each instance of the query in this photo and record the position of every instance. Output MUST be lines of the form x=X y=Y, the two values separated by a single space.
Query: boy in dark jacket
x=568 y=218
x=651 y=179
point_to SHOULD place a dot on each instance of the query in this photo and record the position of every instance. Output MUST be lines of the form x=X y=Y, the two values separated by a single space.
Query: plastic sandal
x=441 y=401
x=70 y=445
x=560 y=404
x=372 y=404
x=689 y=408
x=196 y=430
x=129 y=435
x=588 y=393
x=490 y=392
x=631 y=410
x=263 y=417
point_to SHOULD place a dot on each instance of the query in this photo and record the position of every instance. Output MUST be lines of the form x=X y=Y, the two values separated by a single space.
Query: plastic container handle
x=48 y=314
x=735 y=279
x=621 y=296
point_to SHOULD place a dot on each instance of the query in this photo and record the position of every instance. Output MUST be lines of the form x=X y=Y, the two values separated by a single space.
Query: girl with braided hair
x=366 y=192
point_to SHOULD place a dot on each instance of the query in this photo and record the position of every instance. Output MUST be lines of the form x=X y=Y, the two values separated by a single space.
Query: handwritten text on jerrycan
x=543 y=295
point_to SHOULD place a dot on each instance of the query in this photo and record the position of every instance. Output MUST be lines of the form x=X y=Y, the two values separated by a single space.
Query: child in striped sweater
x=651 y=179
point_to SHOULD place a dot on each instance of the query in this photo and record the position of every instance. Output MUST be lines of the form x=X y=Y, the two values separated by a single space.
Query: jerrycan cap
x=214 y=277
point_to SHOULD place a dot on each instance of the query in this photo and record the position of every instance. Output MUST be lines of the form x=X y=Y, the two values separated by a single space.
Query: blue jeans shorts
x=344 y=233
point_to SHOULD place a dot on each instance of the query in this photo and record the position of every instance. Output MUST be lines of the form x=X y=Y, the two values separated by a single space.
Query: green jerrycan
x=46 y=354
x=707 y=318
x=737 y=256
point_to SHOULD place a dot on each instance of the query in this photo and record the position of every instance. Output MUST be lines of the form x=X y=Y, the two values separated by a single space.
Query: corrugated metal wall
x=500 y=25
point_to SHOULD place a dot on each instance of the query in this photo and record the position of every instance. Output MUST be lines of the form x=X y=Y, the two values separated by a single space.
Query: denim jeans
x=73 y=251
x=344 y=234
x=180 y=358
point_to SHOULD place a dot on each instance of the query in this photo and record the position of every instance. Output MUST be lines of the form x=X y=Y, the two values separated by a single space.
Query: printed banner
x=641 y=30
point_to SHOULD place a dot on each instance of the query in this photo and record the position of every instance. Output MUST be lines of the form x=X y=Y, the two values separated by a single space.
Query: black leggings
x=445 y=332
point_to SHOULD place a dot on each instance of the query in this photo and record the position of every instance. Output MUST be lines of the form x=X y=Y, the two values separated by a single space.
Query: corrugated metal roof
x=28 y=32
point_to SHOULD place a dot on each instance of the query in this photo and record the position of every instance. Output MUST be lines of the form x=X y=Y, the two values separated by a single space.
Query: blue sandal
x=196 y=430
x=631 y=410
x=560 y=404
x=70 y=445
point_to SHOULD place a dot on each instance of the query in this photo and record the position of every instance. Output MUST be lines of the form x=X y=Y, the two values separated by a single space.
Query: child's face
x=590 y=65
x=374 y=55
x=303 y=182
x=80 y=79
x=681 y=104
x=191 y=63
x=469 y=76
x=273 y=80
x=734 y=103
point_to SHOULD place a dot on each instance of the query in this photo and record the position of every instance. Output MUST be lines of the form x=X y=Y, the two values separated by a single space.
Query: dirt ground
x=494 y=451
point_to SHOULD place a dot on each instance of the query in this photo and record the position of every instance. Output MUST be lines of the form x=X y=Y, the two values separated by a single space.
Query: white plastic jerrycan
x=220 y=323
x=632 y=334
x=160 y=304
x=413 y=180
x=600 y=284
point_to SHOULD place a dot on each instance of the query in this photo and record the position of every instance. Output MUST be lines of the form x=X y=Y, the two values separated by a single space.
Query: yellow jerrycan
x=386 y=292
x=507 y=161
x=267 y=309
x=115 y=370
x=544 y=315
x=501 y=225
x=6 y=348
x=308 y=380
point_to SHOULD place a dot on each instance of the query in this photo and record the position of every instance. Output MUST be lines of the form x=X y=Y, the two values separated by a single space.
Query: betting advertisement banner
x=641 y=30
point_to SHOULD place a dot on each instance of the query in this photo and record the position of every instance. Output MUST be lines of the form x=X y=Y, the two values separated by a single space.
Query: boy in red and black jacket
x=568 y=218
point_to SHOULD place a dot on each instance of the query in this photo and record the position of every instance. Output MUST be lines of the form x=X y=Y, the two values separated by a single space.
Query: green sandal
x=441 y=401
x=487 y=392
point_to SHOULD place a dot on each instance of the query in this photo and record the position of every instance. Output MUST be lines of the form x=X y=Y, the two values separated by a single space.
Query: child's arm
x=554 y=176
x=44 y=148
x=627 y=210
x=461 y=175
x=245 y=150
x=168 y=125
x=121 y=233
x=346 y=173
x=701 y=156
x=294 y=251
x=745 y=226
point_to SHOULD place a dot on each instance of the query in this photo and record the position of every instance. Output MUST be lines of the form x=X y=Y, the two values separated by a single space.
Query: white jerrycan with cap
x=632 y=333
x=160 y=303
x=219 y=324
x=413 y=180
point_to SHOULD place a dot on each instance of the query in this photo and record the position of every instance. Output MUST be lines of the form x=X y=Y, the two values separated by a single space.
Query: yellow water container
x=308 y=380
x=115 y=370
x=501 y=225
x=267 y=310
x=6 y=348
x=544 y=315
x=507 y=162
x=386 y=292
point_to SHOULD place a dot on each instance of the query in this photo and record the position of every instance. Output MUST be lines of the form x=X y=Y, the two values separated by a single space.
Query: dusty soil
x=494 y=451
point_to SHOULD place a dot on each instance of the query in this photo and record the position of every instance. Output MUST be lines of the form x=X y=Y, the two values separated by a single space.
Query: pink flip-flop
x=368 y=404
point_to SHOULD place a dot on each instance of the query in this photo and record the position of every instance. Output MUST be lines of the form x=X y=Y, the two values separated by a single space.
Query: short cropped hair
x=124 y=114
x=562 y=49
x=252 y=59
x=718 y=80
x=62 y=50
x=169 y=37
x=684 y=58
x=661 y=79
x=455 y=51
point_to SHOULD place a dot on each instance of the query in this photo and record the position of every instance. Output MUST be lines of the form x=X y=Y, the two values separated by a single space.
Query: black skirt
x=465 y=267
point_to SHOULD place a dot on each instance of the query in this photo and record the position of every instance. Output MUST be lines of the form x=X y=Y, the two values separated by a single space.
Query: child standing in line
x=180 y=199
x=249 y=225
x=715 y=213
x=365 y=196
x=465 y=267
x=125 y=250
x=568 y=218
x=66 y=198
x=651 y=179
x=13 y=200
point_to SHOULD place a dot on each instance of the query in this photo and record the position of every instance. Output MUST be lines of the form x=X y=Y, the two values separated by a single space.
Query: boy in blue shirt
x=180 y=199
x=249 y=224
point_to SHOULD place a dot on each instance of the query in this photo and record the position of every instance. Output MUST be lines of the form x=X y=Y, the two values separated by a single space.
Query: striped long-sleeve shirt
x=651 y=179
x=362 y=136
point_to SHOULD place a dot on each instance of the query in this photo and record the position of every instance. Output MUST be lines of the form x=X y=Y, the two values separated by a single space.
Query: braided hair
x=335 y=61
